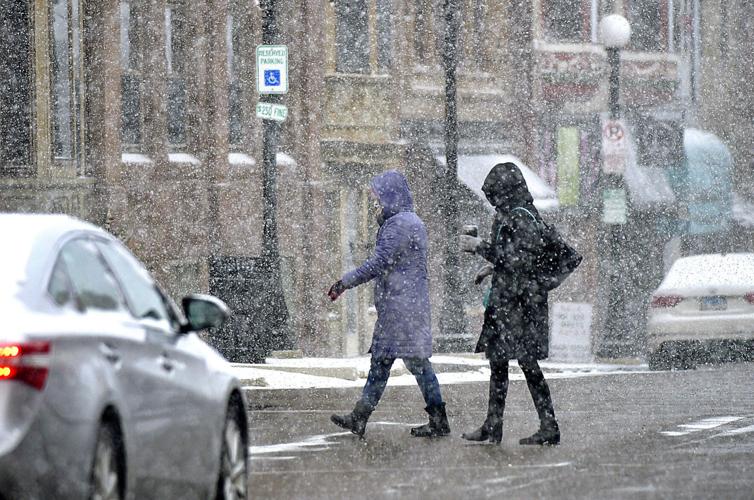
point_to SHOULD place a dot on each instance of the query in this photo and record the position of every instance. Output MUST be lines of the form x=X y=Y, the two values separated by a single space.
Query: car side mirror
x=203 y=311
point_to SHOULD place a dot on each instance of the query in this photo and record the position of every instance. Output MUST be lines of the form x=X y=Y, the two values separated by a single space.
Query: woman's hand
x=469 y=243
x=482 y=273
x=336 y=290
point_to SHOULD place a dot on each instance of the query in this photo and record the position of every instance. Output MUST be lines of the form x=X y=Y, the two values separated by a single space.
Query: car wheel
x=107 y=475
x=233 y=462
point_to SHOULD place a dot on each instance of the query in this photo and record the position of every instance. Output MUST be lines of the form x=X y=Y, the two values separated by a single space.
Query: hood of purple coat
x=392 y=190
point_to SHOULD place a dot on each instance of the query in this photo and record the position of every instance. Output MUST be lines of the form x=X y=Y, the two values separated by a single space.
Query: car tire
x=233 y=480
x=107 y=474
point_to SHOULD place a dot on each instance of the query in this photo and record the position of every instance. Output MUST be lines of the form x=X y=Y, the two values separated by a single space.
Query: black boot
x=548 y=433
x=492 y=431
x=438 y=423
x=356 y=421
x=492 y=428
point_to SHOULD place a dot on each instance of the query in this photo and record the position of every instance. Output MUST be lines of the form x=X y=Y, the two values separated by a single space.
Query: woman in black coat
x=516 y=316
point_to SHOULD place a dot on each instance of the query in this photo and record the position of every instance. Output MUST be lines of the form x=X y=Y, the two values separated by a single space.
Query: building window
x=176 y=29
x=429 y=30
x=422 y=27
x=235 y=89
x=570 y=159
x=648 y=25
x=66 y=79
x=479 y=29
x=131 y=79
x=565 y=20
x=384 y=35
x=568 y=163
x=15 y=86
x=474 y=46
x=352 y=36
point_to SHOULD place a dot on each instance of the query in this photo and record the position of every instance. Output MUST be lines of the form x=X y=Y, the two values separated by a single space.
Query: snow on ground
x=310 y=373
x=312 y=443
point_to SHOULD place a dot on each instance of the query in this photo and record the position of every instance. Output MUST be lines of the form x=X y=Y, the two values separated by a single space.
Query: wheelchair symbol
x=272 y=77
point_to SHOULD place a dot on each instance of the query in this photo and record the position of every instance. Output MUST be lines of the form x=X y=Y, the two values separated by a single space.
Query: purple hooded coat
x=399 y=268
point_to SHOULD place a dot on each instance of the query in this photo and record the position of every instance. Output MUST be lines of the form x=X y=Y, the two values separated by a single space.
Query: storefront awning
x=473 y=169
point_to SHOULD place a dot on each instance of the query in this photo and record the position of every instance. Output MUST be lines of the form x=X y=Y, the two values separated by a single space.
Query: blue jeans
x=421 y=368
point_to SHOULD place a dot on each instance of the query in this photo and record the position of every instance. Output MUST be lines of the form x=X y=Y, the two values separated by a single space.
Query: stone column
x=42 y=90
x=207 y=110
x=309 y=92
x=102 y=106
x=154 y=88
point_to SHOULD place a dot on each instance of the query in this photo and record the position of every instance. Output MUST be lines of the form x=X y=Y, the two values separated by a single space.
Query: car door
x=85 y=320
x=201 y=405
x=179 y=377
x=108 y=345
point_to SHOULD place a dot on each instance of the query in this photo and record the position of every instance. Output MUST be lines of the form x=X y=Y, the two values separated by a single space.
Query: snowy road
x=686 y=434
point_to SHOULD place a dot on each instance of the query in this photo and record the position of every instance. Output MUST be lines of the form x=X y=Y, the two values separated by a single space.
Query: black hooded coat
x=516 y=318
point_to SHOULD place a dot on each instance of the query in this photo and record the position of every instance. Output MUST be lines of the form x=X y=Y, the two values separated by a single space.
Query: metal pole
x=614 y=343
x=270 y=135
x=452 y=319
x=613 y=60
x=273 y=319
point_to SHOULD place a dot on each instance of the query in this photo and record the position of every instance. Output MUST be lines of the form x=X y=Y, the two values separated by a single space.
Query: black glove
x=483 y=272
x=336 y=290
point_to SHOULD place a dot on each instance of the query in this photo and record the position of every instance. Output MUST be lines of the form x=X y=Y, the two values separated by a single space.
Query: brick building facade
x=138 y=115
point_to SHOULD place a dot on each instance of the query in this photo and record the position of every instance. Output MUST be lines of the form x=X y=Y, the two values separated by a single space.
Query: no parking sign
x=614 y=146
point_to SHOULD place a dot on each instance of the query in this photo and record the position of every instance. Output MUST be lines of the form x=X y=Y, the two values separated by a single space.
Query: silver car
x=703 y=310
x=106 y=392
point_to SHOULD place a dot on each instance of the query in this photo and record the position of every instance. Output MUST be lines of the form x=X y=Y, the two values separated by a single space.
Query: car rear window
x=95 y=286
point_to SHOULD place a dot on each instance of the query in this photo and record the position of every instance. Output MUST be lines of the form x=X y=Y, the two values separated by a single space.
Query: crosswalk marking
x=734 y=432
x=701 y=425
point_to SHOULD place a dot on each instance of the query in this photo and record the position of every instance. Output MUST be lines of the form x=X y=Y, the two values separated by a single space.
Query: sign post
x=272 y=80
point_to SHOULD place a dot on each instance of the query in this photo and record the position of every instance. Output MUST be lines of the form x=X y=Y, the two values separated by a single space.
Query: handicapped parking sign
x=272 y=77
x=272 y=69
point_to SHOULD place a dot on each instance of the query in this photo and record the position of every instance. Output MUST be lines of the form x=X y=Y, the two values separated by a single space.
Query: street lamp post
x=615 y=33
x=452 y=319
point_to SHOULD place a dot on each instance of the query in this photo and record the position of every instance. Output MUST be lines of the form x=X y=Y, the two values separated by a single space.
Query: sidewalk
x=301 y=374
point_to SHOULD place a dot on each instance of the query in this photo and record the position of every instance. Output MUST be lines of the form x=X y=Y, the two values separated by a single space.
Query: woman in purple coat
x=401 y=296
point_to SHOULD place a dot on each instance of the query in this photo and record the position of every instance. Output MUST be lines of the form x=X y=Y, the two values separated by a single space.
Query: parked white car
x=106 y=392
x=703 y=309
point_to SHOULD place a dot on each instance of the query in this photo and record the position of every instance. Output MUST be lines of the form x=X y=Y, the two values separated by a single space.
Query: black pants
x=535 y=379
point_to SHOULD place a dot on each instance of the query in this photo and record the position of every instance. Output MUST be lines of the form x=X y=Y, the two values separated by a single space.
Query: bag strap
x=536 y=222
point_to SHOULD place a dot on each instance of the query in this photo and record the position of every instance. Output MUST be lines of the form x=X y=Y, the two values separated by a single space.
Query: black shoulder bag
x=557 y=259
